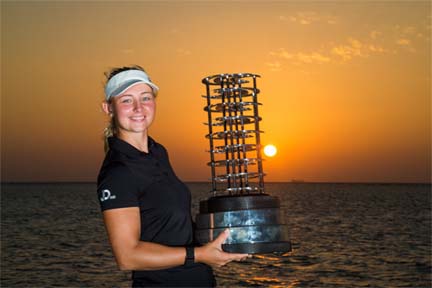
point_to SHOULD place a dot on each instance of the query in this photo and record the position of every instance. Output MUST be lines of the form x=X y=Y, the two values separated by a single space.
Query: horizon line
x=209 y=182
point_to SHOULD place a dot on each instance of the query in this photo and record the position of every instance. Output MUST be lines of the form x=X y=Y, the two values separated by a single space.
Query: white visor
x=122 y=81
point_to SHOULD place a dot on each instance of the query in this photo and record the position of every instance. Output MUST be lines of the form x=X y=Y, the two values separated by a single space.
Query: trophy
x=238 y=200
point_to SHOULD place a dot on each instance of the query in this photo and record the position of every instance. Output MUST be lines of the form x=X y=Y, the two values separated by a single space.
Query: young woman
x=146 y=208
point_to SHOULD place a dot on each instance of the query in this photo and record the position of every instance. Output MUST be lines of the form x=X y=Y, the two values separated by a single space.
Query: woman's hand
x=213 y=255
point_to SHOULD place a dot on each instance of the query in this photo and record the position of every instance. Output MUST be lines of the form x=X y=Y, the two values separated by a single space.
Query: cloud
x=309 y=17
x=391 y=40
x=298 y=58
x=356 y=48
x=313 y=57
x=406 y=43
x=347 y=51
x=404 y=37
x=305 y=18
x=274 y=66
x=403 y=42
x=352 y=49
x=376 y=49
x=127 y=51
x=281 y=53
x=331 y=20
x=375 y=34
x=183 y=52
x=301 y=57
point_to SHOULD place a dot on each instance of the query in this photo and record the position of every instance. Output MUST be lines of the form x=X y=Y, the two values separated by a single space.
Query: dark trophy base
x=258 y=248
x=254 y=222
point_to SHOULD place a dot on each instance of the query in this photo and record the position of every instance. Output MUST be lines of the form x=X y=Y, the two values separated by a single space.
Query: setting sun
x=270 y=150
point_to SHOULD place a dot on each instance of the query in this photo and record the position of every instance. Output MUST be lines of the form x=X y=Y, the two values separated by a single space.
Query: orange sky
x=346 y=88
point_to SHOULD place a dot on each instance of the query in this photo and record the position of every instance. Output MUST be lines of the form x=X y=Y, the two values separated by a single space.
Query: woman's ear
x=107 y=108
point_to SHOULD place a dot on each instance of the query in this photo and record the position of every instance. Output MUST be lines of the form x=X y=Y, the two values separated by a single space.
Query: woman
x=146 y=208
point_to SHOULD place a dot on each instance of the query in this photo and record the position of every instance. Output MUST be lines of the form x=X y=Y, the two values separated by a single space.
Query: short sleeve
x=117 y=188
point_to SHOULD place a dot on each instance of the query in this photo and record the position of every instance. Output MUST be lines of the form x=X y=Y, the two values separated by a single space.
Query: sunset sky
x=345 y=85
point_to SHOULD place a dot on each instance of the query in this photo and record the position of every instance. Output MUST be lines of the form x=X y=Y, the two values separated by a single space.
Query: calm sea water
x=343 y=235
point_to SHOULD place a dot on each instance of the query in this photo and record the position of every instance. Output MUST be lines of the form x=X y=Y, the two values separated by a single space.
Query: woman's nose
x=137 y=106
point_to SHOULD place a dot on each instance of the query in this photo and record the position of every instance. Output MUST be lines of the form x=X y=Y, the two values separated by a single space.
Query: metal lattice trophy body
x=238 y=200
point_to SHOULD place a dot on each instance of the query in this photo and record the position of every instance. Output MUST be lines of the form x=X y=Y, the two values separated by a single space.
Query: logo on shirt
x=106 y=195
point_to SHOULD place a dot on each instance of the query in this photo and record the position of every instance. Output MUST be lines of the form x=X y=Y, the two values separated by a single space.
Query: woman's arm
x=123 y=227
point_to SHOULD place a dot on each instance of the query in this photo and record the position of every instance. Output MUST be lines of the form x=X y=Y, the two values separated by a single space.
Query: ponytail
x=109 y=131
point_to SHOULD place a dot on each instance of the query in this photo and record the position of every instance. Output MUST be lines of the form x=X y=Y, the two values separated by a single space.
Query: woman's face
x=134 y=109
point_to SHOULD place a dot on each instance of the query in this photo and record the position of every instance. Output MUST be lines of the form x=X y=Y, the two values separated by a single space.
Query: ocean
x=343 y=235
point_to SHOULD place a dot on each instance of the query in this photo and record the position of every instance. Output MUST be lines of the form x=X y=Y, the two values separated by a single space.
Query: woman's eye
x=147 y=98
x=126 y=101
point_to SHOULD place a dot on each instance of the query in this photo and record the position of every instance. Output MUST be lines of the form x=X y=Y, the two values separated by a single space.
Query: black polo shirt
x=131 y=178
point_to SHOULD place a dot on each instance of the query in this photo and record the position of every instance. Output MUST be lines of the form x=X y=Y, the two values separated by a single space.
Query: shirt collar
x=124 y=147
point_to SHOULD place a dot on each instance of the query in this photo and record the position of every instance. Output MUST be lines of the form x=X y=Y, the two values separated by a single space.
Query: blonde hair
x=109 y=131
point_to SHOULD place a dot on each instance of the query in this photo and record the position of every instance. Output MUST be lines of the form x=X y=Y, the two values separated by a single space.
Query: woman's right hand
x=213 y=255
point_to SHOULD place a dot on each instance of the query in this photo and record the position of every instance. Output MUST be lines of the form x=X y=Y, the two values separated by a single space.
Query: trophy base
x=255 y=223
x=258 y=248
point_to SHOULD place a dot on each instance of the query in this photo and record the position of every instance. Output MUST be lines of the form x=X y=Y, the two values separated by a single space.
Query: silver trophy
x=238 y=200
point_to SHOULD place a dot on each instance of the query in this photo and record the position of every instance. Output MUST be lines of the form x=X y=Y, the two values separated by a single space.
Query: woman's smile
x=138 y=118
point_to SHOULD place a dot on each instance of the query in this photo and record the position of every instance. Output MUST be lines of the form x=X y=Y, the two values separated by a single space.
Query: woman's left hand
x=213 y=255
